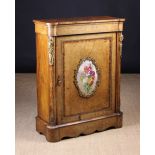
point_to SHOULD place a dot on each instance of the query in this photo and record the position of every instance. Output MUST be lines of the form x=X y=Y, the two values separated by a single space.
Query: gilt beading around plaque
x=86 y=77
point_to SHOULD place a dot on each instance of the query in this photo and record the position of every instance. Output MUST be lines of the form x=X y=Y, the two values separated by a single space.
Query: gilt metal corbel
x=51 y=50
x=120 y=40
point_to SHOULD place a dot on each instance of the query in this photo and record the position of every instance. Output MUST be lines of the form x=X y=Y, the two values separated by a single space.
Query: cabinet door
x=85 y=76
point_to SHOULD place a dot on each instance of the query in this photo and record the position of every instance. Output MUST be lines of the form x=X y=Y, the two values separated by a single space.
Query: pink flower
x=86 y=69
x=89 y=68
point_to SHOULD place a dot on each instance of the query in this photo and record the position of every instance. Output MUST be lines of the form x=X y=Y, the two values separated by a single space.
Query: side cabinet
x=78 y=75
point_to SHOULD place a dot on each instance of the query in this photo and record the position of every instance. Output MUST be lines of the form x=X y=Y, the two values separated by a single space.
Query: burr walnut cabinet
x=78 y=75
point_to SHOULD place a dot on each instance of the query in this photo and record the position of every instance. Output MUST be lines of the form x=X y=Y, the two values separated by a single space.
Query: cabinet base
x=74 y=129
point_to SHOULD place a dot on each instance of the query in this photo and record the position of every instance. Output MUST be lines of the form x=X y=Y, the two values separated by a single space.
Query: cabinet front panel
x=85 y=74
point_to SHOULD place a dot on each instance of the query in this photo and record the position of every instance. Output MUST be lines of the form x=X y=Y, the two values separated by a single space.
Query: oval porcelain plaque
x=86 y=77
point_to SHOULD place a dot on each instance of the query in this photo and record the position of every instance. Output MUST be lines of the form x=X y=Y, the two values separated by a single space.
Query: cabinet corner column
x=118 y=68
x=51 y=59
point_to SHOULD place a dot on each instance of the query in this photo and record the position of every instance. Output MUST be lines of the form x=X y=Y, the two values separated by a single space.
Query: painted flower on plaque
x=86 y=77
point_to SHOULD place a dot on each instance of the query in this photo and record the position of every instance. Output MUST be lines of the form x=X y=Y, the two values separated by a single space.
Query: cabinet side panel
x=43 y=78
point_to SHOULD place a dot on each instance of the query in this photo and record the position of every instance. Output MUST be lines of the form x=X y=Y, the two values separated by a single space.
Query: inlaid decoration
x=86 y=77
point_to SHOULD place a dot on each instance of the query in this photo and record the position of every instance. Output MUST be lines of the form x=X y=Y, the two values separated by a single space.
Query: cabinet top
x=82 y=20
x=78 y=25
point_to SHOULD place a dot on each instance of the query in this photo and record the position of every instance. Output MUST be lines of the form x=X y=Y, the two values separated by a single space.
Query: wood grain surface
x=60 y=45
